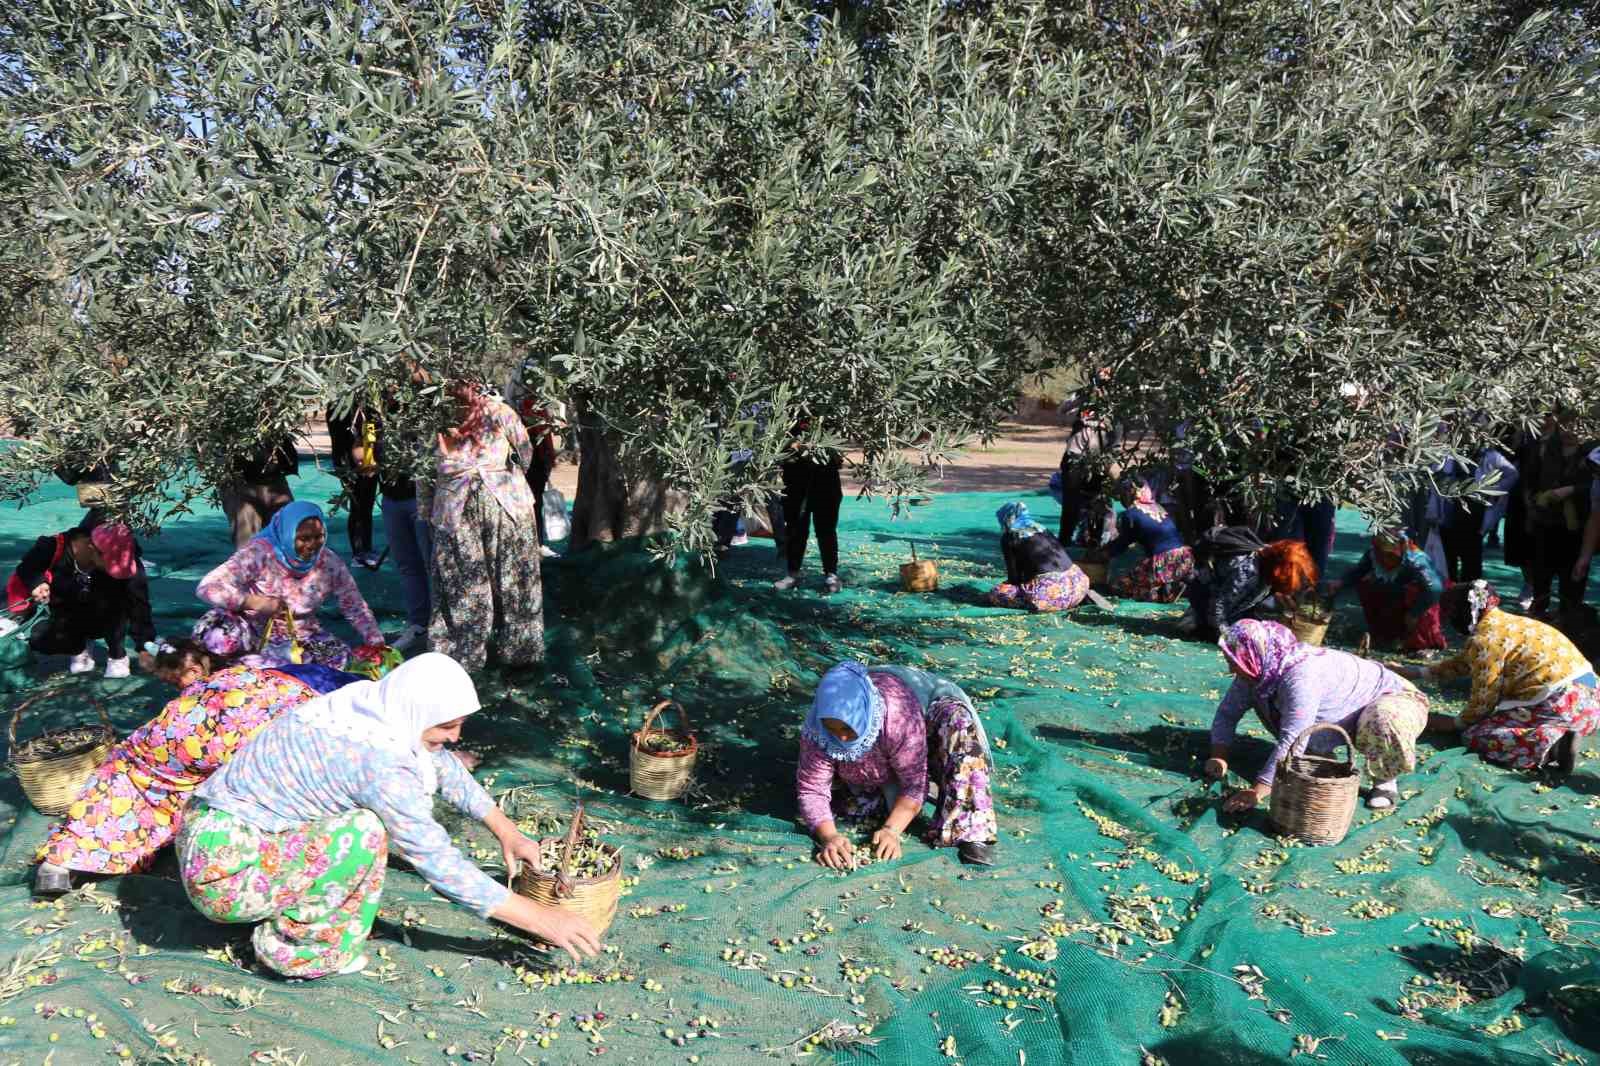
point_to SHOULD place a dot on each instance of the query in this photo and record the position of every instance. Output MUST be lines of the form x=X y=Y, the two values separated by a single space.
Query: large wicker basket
x=1306 y=631
x=594 y=898
x=1314 y=796
x=51 y=782
x=661 y=776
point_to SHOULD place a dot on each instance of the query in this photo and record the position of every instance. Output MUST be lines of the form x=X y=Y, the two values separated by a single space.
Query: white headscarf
x=393 y=713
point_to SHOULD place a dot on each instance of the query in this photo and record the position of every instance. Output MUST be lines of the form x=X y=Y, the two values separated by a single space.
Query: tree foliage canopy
x=1328 y=235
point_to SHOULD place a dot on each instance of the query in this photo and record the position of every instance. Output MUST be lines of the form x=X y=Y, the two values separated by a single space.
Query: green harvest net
x=1127 y=923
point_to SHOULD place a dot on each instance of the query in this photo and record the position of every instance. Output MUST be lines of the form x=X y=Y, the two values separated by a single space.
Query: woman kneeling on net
x=1168 y=565
x=294 y=833
x=1533 y=693
x=1399 y=590
x=133 y=803
x=884 y=732
x=1293 y=686
x=1040 y=575
x=286 y=569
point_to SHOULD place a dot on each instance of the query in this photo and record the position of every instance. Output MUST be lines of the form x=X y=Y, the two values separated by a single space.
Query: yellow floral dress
x=1530 y=685
x=133 y=803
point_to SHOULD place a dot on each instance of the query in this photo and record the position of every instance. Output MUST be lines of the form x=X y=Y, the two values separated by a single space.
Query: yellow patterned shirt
x=1513 y=662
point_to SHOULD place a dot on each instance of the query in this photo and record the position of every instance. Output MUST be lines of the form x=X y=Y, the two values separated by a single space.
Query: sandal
x=1381 y=799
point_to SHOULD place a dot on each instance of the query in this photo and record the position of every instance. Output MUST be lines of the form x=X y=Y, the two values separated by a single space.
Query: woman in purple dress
x=884 y=734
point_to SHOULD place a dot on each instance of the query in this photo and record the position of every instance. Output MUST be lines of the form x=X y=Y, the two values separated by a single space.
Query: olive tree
x=235 y=214
x=1336 y=242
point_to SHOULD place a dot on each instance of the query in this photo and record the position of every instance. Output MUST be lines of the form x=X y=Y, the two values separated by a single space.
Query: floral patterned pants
x=1522 y=737
x=315 y=890
x=1058 y=591
x=227 y=633
x=486 y=593
x=956 y=762
x=1387 y=733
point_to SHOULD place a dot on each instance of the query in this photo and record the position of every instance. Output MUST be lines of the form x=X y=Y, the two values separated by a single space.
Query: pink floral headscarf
x=1264 y=652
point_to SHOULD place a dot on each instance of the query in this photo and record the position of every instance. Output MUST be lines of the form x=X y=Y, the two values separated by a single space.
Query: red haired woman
x=1238 y=577
x=1399 y=589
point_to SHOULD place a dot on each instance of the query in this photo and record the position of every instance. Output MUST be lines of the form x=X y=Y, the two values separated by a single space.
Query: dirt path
x=1021 y=459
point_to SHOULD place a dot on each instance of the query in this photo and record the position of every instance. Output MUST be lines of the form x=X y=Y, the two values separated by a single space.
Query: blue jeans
x=411 y=544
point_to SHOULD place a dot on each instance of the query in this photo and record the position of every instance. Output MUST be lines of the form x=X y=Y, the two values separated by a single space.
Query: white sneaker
x=355 y=965
x=117 y=667
x=831 y=584
x=548 y=552
x=739 y=540
x=408 y=638
x=784 y=584
x=81 y=663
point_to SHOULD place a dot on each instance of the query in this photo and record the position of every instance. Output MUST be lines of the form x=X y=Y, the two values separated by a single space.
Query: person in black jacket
x=1040 y=575
x=95 y=589
x=358 y=472
x=262 y=488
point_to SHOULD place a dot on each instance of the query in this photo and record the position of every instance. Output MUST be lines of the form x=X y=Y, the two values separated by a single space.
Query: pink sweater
x=254 y=570
x=900 y=755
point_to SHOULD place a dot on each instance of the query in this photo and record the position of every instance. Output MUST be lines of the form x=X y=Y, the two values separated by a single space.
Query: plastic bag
x=557 y=523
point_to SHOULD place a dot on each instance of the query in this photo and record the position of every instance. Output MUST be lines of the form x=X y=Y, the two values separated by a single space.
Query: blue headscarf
x=847 y=694
x=1014 y=518
x=280 y=535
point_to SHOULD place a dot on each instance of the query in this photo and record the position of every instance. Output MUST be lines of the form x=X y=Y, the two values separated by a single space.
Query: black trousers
x=68 y=632
x=812 y=493
x=1463 y=543
x=1555 y=549
x=538 y=479
x=363 y=498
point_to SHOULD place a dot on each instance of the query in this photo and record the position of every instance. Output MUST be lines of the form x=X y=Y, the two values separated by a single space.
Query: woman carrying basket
x=1293 y=686
x=132 y=804
x=1534 y=696
x=884 y=733
x=294 y=833
x=264 y=599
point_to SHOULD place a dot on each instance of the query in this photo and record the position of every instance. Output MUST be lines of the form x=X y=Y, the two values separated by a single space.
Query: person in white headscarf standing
x=294 y=833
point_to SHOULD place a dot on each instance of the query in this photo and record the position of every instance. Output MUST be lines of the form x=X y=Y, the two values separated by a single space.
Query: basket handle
x=16 y=715
x=564 y=875
x=1304 y=739
x=649 y=719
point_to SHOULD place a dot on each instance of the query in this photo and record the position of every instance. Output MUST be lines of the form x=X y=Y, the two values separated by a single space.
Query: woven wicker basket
x=93 y=493
x=919 y=576
x=1314 y=796
x=51 y=783
x=594 y=898
x=1307 y=632
x=663 y=776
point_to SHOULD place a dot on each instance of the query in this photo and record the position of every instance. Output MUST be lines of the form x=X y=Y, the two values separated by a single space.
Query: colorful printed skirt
x=1386 y=605
x=227 y=633
x=1058 y=591
x=1521 y=737
x=314 y=889
x=956 y=763
x=1158 y=578
x=133 y=803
